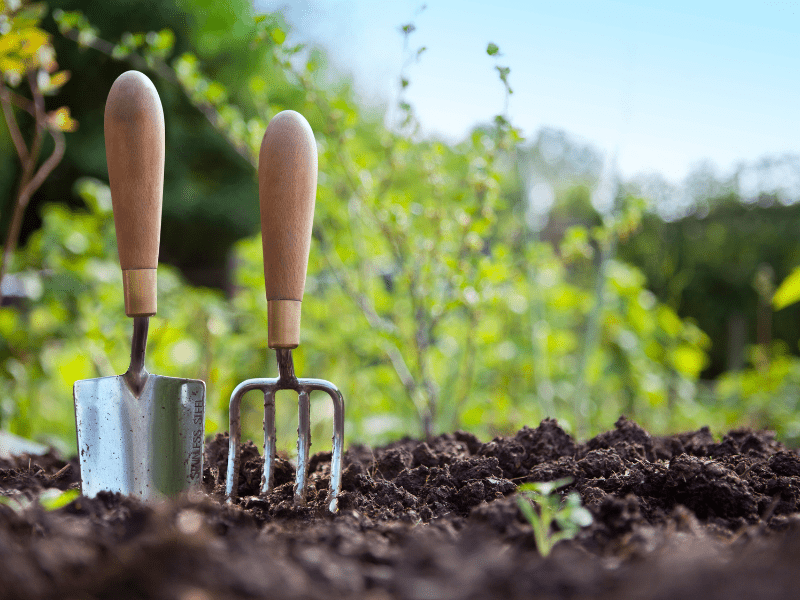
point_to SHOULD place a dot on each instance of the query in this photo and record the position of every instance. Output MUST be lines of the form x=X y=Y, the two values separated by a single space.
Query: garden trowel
x=138 y=433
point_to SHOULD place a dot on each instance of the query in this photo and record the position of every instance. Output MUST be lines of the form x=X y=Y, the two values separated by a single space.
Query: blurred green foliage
x=26 y=55
x=74 y=328
x=723 y=263
x=788 y=292
x=210 y=183
x=766 y=394
x=429 y=300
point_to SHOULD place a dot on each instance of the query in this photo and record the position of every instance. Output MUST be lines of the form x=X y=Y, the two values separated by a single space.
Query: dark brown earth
x=675 y=517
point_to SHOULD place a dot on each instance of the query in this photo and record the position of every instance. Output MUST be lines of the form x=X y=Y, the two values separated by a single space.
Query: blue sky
x=665 y=84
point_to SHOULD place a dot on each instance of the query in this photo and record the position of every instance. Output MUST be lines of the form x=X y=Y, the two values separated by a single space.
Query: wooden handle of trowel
x=287 y=188
x=134 y=131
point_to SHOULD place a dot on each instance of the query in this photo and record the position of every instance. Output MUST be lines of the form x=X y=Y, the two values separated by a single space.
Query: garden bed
x=673 y=517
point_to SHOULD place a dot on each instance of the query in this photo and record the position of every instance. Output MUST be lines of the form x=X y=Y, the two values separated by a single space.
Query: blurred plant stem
x=541 y=359
x=764 y=285
x=591 y=341
x=27 y=53
x=607 y=190
x=31 y=177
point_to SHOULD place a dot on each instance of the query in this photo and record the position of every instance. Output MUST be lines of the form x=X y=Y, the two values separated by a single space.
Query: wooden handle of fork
x=134 y=132
x=287 y=188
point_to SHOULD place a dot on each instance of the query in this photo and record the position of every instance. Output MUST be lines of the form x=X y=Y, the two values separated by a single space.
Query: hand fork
x=287 y=182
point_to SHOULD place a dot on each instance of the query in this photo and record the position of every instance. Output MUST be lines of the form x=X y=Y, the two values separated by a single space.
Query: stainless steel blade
x=150 y=446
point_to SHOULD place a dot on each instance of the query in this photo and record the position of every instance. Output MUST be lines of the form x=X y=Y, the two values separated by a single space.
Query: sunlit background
x=673 y=90
x=525 y=210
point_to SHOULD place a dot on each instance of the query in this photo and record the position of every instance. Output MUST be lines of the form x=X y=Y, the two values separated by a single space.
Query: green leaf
x=688 y=360
x=216 y=93
x=164 y=41
x=278 y=35
x=492 y=49
x=527 y=509
x=788 y=291
x=16 y=503
x=120 y=52
x=86 y=37
x=55 y=499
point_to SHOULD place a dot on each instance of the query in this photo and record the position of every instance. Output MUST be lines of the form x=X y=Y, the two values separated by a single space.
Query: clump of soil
x=682 y=516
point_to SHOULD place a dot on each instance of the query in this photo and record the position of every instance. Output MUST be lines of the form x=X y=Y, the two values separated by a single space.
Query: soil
x=683 y=516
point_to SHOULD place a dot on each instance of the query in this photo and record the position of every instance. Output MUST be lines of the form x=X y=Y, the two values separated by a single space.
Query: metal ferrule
x=283 y=323
x=139 y=288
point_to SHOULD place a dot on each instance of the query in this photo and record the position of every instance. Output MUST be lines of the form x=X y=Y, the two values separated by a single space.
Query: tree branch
x=165 y=71
x=22 y=102
x=13 y=127
x=48 y=165
x=24 y=197
x=373 y=318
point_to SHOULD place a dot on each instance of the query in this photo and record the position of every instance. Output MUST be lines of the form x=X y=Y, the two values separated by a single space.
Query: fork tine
x=338 y=446
x=234 y=450
x=303 y=444
x=303 y=387
x=268 y=477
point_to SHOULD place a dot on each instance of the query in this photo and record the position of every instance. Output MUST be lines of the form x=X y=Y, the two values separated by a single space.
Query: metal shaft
x=286 y=378
x=136 y=375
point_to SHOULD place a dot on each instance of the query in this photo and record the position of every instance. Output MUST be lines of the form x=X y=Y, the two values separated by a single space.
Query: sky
x=665 y=85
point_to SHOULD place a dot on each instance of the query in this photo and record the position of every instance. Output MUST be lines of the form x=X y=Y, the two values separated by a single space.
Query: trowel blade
x=150 y=446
